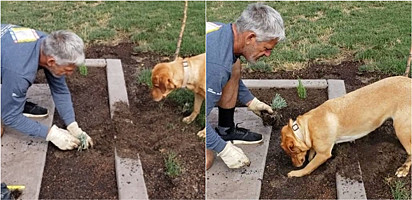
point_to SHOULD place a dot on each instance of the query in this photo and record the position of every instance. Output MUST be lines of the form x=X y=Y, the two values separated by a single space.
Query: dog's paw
x=295 y=173
x=202 y=133
x=402 y=171
x=188 y=120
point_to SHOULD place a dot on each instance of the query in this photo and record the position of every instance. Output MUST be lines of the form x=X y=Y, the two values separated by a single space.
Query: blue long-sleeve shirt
x=219 y=61
x=20 y=54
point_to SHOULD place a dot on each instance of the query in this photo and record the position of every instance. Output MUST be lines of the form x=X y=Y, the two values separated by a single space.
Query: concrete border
x=23 y=157
x=95 y=63
x=129 y=172
x=284 y=83
x=346 y=188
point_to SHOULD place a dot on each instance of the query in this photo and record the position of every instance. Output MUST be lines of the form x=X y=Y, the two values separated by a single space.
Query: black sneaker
x=238 y=135
x=33 y=110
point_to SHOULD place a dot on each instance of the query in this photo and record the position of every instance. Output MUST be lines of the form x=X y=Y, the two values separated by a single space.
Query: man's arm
x=61 y=97
x=13 y=98
x=213 y=93
x=244 y=96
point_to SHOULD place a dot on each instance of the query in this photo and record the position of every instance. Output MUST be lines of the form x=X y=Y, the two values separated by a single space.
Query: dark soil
x=379 y=154
x=154 y=130
x=89 y=173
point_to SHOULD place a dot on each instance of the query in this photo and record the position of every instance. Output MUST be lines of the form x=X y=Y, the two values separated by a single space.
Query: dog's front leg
x=202 y=133
x=196 y=109
x=312 y=153
x=319 y=159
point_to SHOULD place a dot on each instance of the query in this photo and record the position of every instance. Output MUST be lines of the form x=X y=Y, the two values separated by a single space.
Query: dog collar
x=185 y=73
x=296 y=131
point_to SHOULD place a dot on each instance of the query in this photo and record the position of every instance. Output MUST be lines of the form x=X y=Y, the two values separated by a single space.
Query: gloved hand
x=256 y=106
x=62 y=138
x=74 y=129
x=233 y=156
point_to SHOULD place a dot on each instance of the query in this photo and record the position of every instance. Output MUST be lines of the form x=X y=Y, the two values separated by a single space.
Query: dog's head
x=291 y=146
x=162 y=81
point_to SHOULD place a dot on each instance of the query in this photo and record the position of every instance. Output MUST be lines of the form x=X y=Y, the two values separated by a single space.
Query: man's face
x=253 y=50
x=61 y=70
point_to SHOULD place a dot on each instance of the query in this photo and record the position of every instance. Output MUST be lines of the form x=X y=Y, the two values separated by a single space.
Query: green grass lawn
x=377 y=33
x=154 y=26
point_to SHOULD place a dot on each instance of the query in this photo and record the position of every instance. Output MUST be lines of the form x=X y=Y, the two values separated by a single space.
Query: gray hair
x=263 y=20
x=65 y=47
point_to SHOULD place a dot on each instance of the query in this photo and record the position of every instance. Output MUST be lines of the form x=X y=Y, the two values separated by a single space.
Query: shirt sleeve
x=61 y=97
x=244 y=94
x=214 y=84
x=13 y=98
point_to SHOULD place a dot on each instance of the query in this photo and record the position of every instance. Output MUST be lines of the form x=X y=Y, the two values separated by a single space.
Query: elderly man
x=255 y=33
x=23 y=52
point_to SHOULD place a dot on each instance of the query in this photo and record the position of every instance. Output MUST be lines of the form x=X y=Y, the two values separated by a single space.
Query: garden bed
x=154 y=131
x=90 y=173
x=379 y=154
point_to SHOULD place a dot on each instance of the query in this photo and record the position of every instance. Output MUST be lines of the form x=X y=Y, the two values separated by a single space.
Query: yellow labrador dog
x=182 y=73
x=348 y=118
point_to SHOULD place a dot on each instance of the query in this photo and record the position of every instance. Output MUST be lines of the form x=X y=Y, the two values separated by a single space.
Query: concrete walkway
x=23 y=157
x=244 y=183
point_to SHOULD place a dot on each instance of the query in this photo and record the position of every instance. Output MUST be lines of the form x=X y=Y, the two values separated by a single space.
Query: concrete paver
x=116 y=83
x=244 y=183
x=129 y=175
x=336 y=88
x=129 y=172
x=95 y=63
x=348 y=188
x=284 y=83
x=23 y=157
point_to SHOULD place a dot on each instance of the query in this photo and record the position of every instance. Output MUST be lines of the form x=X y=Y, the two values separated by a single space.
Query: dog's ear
x=158 y=82
x=291 y=146
x=162 y=85
x=171 y=84
x=155 y=81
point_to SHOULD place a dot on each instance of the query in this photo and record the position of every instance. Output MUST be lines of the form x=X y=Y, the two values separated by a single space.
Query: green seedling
x=301 y=90
x=260 y=67
x=398 y=189
x=172 y=166
x=145 y=77
x=83 y=70
x=83 y=142
x=278 y=102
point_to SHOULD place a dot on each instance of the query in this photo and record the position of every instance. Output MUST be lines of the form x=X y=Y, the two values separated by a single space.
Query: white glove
x=256 y=106
x=233 y=156
x=74 y=129
x=62 y=138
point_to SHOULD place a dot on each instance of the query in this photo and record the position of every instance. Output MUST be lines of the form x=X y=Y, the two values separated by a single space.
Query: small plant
x=83 y=142
x=278 y=102
x=260 y=67
x=301 y=90
x=145 y=77
x=398 y=189
x=170 y=126
x=83 y=70
x=172 y=166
